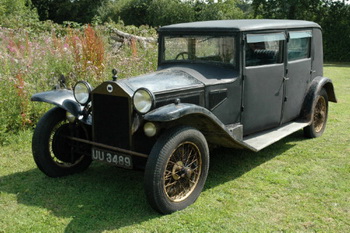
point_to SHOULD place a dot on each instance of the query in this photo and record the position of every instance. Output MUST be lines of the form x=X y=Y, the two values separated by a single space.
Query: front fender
x=316 y=85
x=201 y=118
x=172 y=112
x=61 y=98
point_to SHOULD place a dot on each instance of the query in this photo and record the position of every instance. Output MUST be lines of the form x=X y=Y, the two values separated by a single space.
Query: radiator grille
x=111 y=120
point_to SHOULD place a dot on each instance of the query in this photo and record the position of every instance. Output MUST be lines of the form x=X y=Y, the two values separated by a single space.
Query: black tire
x=53 y=153
x=319 y=116
x=176 y=169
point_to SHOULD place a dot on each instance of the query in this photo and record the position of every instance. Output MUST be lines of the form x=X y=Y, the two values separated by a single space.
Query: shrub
x=165 y=12
x=17 y=14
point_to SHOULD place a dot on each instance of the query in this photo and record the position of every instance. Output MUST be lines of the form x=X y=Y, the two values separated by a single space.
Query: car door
x=263 y=76
x=299 y=72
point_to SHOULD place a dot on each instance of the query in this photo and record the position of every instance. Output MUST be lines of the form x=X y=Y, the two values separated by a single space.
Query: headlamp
x=81 y=92
x=143 y=100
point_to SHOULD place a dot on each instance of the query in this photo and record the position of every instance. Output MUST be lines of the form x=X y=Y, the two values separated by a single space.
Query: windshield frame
x=210 y=34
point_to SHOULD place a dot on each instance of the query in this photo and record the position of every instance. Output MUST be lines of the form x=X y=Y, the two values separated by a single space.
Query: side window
x=263 y=49
x=200 y=48
x=299 y=45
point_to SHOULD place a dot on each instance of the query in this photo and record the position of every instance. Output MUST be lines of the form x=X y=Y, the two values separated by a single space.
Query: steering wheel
x=182 y=54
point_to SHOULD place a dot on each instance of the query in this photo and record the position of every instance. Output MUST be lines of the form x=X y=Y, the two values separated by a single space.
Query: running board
x=263 y=139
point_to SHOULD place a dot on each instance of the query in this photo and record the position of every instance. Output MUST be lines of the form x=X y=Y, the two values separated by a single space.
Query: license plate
x=115 y=158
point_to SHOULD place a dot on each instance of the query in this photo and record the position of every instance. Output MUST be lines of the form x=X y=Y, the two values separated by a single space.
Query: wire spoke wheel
x=182 y=172
x=320 y=114
x=54 y=154
x=176 y=169
x=63 y=150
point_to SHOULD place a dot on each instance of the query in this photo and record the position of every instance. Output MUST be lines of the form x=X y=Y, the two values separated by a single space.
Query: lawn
x=297 y=184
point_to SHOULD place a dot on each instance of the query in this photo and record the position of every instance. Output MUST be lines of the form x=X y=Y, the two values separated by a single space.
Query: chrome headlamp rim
x=86 y=99
x=150 y=98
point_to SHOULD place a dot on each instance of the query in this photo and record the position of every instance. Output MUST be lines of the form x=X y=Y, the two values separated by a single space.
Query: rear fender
x=61 y=98
x=316 y=85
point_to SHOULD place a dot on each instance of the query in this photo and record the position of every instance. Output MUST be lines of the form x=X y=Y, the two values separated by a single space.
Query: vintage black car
x=235 y=83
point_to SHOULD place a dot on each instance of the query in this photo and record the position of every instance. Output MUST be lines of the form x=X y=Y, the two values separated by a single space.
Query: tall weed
x=88 y=52
x=33 y=62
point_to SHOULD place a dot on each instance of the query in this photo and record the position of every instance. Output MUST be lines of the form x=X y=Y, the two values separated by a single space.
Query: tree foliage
x=162 y=12
x=333 y=16
x=288 y=9
x=15 y=14
x=135 y=12
x=336 y=31
x=230 y=9
x=81 y=11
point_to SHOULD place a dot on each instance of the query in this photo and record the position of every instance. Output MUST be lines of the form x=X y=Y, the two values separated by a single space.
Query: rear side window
x=263 y=49
x=299 y=45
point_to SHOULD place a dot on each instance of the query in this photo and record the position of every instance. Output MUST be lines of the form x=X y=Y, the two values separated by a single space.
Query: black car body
x=235 y=83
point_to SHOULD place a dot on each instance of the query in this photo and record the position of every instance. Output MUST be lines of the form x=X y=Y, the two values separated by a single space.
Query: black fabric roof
x=239 y=25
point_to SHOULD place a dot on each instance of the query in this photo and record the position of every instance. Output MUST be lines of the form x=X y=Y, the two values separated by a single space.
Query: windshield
x=200 y=49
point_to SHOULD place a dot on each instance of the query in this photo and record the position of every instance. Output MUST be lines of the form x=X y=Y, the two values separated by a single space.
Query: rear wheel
x=55 y=154
x=176 y=170
x=319 y=116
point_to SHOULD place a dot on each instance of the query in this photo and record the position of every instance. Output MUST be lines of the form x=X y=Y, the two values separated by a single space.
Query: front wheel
x=54 y=154
x=176 y=169
x=319 y=116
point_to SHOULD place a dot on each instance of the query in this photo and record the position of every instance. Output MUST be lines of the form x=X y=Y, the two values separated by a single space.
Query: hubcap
x=182 y=171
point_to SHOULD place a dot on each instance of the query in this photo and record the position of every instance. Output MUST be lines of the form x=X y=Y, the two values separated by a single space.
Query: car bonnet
x=164 y=80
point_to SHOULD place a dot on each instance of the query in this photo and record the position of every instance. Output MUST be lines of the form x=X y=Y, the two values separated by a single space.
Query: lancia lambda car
x=241 y=84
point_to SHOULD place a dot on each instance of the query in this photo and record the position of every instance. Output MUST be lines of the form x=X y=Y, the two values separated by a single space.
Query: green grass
x=295 y=185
